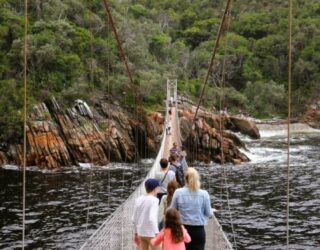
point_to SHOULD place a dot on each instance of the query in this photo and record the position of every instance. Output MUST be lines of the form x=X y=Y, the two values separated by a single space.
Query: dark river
x=57 y=202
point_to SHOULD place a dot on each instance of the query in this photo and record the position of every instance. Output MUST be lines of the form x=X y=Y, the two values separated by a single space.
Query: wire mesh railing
x=216 y=239
x=116 y=233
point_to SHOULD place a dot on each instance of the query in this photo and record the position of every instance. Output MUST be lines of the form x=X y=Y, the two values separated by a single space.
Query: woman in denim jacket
x=194 y=206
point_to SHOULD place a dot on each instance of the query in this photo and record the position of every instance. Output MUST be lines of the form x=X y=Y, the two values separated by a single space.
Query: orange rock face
x=58 y=138
x=203 y=140
x=312 y=115
x=105 y=132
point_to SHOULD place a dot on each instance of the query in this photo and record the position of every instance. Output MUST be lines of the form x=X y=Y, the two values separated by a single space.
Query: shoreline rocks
x=97 y=133
x=312 y=114
x=203 y=139
x=102 y=131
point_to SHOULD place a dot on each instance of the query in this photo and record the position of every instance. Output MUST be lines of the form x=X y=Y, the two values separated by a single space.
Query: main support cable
x=289 y=115
x=215 y=48
x=25 y=78
x=121 y=51
x=92 y=86
x=91 y=45
x=89 y=199
x=125 y=61
x=221 y=103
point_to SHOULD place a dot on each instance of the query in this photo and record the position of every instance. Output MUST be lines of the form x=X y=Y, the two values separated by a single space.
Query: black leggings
x=159 y=196
x=198 y=237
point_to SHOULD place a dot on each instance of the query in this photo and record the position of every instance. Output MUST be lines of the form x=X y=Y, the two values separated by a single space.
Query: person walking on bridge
x=175 y=150
x=164 y=176
x=168 y=127
x=166 y=201
x=145 y=216
x=176 y=167
x=174 y=234
x=194 y=206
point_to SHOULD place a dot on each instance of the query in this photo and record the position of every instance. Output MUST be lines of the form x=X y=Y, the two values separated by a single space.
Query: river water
x=57 y=202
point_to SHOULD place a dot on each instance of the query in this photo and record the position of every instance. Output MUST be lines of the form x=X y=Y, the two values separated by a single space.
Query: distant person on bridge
x=164 y=176
x=145 y=216
x=176 y=167
x=166 y=201
x=168 y=127
x=182 y=155
x=194 y=206
x=174 y=235
x=175 y=150
x=171 y=101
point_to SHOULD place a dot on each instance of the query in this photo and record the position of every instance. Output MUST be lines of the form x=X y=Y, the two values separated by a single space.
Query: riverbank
x=101 y=131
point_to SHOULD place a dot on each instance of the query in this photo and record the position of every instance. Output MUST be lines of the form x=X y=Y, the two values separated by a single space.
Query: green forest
x=73 y=53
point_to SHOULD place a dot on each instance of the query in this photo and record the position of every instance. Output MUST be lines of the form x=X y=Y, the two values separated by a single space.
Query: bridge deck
x=117 y=231
x=213 y=225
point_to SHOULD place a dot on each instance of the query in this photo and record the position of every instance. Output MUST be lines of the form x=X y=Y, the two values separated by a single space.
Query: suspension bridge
x=117 y=231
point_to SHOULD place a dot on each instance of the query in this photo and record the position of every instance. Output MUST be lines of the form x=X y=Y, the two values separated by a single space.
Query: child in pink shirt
x=174 y=235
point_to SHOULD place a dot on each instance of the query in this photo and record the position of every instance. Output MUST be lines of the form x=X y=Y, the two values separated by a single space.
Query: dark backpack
x=179 y=174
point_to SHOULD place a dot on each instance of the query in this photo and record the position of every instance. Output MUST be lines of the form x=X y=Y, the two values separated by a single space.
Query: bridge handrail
x=116 y=233
x=215 y=236
x=119 y=224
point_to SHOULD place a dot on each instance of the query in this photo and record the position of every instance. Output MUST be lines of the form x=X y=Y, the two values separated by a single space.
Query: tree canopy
x=70 y=41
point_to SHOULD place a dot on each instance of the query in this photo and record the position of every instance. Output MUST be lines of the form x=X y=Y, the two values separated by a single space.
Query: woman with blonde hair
x=194 y=206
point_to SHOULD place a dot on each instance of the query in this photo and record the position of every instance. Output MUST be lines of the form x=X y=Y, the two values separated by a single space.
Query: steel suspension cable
x=121 y=51
x=123 y=57
x=215 y=48
x=289 y=117
x=221 y=107
x=92 y=86
x=220 y=174
x=91 y=45
x=89 y=199
x=25 y=82
x=222 y=104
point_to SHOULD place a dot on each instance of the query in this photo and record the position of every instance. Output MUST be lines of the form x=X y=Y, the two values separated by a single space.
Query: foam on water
x=269 y=130
x=58 y=200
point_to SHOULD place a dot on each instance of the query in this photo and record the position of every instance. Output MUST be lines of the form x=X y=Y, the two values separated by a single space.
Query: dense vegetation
x=167 y=38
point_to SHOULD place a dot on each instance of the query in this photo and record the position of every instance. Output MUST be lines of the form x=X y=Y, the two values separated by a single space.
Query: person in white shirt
x=145 y=216
x=164 y=176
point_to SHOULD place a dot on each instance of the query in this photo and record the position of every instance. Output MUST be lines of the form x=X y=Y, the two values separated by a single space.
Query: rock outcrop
x=312 y=115
x=103 y=131
x=99 y=133
x=244 y=126
x=203 y=139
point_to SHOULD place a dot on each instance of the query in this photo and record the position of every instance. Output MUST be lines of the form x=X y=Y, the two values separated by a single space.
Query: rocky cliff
x=203 y=138
x=104 y=131
x=100 y=133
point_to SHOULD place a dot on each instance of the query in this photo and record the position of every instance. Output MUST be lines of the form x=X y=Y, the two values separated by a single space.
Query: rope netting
x=117 y=231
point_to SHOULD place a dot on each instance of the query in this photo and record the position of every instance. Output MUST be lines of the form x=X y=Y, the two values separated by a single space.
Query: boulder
x=203 y=142
x=245 y=126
